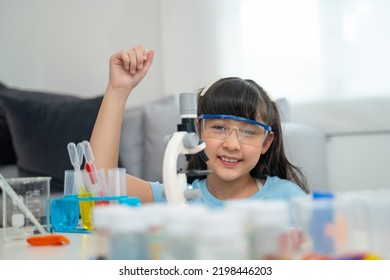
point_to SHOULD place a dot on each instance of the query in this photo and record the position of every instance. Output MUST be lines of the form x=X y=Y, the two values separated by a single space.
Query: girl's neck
x=240 y=188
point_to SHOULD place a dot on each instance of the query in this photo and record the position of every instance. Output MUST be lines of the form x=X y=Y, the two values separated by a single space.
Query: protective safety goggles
x=218 y=126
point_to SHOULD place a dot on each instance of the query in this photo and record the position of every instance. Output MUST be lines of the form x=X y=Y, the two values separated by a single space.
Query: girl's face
x=231 y=157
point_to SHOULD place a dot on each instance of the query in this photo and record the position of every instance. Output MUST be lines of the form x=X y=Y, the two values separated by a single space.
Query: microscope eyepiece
x=188 y=112
x=188 y=105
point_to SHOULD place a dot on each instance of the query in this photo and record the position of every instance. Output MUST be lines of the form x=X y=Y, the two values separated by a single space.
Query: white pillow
x=160 y=119
x=132 y=141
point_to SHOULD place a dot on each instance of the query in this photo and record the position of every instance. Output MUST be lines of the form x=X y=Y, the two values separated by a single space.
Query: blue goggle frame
x=236 y=118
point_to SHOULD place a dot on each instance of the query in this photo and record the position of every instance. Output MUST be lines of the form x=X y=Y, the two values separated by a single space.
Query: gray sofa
x=35 y=128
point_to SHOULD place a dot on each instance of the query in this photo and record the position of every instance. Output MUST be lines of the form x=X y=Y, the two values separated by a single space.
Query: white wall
x=200 y=42
x=64 y=46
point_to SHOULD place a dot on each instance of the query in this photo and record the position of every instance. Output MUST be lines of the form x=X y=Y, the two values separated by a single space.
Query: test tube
x=65 y=212
x=117 y=181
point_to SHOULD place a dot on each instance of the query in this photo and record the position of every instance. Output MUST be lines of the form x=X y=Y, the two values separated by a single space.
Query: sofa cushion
x=41 y=126
x=305 y=147
x=132 y=141
x=160 y=120
x=284 y=109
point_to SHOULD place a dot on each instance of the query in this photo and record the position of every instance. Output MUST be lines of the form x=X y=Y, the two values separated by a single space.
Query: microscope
x=183 y=142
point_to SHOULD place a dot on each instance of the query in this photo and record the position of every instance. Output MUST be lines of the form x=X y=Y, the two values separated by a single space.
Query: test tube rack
x=65 y=211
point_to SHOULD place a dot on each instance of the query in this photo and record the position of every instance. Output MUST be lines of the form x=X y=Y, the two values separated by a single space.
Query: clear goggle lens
x=220 y=128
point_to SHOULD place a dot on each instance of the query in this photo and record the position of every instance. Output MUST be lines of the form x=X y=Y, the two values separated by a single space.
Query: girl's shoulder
x=277 y=188
x=198 y=184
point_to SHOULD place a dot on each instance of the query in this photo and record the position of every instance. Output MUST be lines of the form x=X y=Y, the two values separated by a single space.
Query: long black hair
x=245 y=98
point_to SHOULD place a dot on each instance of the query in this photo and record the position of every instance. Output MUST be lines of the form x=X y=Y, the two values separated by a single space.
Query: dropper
x=75 y=155
x=13 y=195
x=76 y=158
x=90 y=162
x=96 y=186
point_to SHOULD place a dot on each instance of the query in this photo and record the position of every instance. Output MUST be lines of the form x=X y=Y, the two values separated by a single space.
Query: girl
x=238 y=121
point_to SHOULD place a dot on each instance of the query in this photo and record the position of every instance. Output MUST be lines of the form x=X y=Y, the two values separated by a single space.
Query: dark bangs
x=231 y=96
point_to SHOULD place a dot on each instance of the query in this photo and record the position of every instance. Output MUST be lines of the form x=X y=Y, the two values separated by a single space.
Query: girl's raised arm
x=127 y=69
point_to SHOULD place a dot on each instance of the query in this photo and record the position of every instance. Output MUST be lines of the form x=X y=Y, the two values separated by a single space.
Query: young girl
x=237 y=120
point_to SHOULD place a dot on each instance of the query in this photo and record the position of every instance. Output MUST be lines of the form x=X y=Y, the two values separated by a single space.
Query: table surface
x=82 y=246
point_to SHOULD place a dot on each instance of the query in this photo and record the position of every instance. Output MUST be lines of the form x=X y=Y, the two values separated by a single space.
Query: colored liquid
x=65 y=213
x=86 y=210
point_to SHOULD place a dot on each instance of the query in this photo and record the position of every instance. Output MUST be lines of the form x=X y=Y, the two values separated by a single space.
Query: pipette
x=90 y=160
x=76 y=155
x=90 y=167
x=14 y=196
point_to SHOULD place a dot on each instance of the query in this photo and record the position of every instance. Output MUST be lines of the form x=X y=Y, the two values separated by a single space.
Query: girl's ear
x=267 y=142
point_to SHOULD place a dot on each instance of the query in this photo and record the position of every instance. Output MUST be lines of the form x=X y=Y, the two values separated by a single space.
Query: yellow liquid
x=86 y=210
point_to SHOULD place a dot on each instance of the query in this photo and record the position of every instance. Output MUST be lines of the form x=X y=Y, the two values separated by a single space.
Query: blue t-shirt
x=274 y=188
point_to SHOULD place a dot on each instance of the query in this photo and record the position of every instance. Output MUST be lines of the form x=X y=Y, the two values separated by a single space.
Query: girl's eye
x=220 y=128
x=248 y=132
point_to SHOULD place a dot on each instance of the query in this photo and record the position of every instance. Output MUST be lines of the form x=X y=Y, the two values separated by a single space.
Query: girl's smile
x=229 y=161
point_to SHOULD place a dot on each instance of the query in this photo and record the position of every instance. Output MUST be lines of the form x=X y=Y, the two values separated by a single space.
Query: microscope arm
x=175 y=184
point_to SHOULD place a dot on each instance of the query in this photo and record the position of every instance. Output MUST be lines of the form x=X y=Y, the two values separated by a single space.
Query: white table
x=81 y=247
